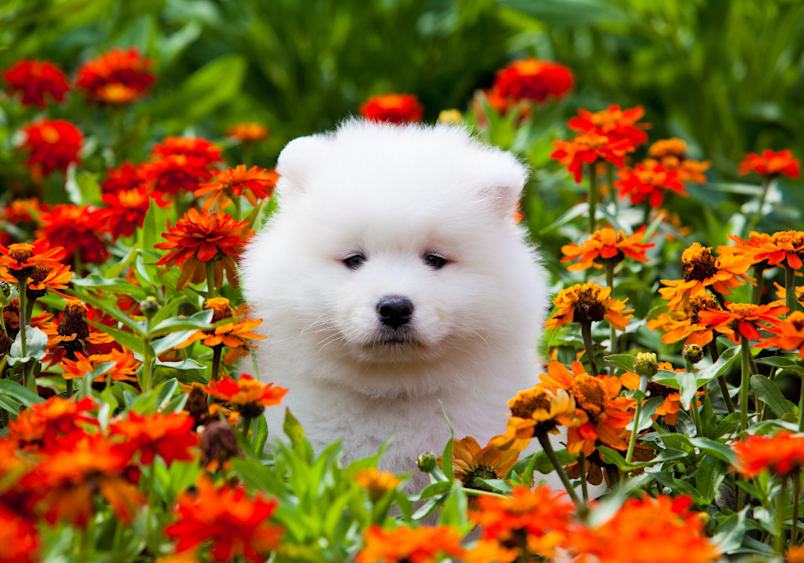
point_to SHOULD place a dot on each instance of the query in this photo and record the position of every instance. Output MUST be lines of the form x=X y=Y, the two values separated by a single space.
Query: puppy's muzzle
x=394 y=311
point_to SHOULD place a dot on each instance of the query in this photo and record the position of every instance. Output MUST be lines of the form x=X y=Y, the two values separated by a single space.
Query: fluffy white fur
x=395 y=194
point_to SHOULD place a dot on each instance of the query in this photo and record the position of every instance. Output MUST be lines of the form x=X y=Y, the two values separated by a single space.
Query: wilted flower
x=771 y=164
x=606 y=246
x=74 y=333
x=51 y=144
x=423 y=544
x=218 y=445
x=393 y=108
x=533 y=79
x=246 y=395
x=116 y=77
x=253 y=183
x=248 y=133
x=33 y=79
x=648 y=182
x=588 y=302
x=76 y=229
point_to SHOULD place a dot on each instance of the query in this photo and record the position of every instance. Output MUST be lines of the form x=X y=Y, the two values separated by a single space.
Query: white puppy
x=394 y=276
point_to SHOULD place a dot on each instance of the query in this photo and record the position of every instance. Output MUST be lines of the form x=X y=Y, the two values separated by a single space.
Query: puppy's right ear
x=297 y=161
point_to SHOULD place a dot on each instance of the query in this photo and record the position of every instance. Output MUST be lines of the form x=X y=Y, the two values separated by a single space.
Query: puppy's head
x=395 y=248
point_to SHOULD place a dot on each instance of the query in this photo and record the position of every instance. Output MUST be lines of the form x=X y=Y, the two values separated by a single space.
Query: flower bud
x=646 y=364
x=693 y=353
x=218 y=444
x=426 y=462
x=450 y=116
x=5 y=288
x=149 y=306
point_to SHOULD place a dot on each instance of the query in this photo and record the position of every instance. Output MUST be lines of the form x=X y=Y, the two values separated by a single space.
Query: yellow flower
x=376 y=482
x=587 y=302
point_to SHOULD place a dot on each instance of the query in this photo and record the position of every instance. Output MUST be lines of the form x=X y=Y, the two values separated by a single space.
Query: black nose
x=394 y=311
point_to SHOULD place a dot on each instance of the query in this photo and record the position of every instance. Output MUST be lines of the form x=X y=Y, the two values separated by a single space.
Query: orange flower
x=489 y=551
x=246 y=394
x=748 y=249
x=19 y=211
x=771 y=164
x=22 y=258
x=169 y=435
x=789 y=334
x=603 y=415
x=587 y=148
x=175 y=172
x=45 y=279
x=742 y=318
x=248 y=133
x=74 y=333
x=199 y=237
x=606 y=246
x=689 y=326
x=11 y=317
x=124 y=368
x=671 y=154
x=376 y=483
x=33 y=79
x=471 y=462
x=52 y=423
x=534 y=411
x=234 y=524
x=648 y=181
x=534 y=522
x=672 y=397
x=781 y=454
x=126 y=211
x=784 y=247
x=532 y=79
x=76 y=229
x=409 y=545
x=116 y=77
x=615 y=123
x=795 y=554
x=52 y=145
x=191 y=147
x=234 y=335
x=639 y=526
x=254 y=183
x=19 y=540
x=588 y=302
x=393 y=108
x=702 y=271
x=126 y=177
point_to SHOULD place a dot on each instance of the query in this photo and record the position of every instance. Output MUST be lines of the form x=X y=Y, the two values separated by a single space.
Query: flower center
x=73 y=321
x=743 y=309
x=220 y=306
x=796 y=318
x=530 y=401
x=659 y=390
x=590 y=394
x=795 y=238
x=606 y=117
x=589 y=307
x=591 y=140
x=668 y=147
x=699 y=303
x=479 y=472
x=699 y=264
x=21 y=251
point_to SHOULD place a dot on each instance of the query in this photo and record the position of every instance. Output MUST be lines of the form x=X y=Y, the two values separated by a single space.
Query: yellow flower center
x=606 y=117
x=668 y=147
x=701 y=302
x=590 y=394
x=591 y=140
x=699 y=264
x=796 y=238
x=21 y=252
x=220 y=306
x=74 y=307
x=796 y=318
x=529 y=401
x=743 y=309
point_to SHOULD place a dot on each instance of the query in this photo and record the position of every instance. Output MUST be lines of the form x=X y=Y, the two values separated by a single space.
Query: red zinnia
x=76 y=229
x=614 y=123
x=116 y=77
x=587 y=148
x=254 y=183
x=19 y=541
x=34 y=79
x=393 y=108
x=225 y=517
x=771 y=164
x=649 y=183
x=532 y=79
x=177 y=172
x=189 y=147
x=169 y=435
x=127 y=177
x=46 y=425
x=742 y=319
x=52 y=144
x=781 y=454
x=126 y=211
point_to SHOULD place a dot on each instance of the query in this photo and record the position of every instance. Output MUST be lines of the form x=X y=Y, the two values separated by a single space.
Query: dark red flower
x=33 y=79
x=76 y=229
x=194 y=147
x=532 y=79
x=116 y=77
x=393 y=108
x=126 y=211
x=587 y=148
x=52 y=144
x=126 y=177
x=177 y=172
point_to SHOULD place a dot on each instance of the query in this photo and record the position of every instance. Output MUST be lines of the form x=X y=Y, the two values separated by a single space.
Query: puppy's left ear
x=503 y=179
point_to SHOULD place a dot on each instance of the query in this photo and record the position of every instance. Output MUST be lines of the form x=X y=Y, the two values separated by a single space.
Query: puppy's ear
x=297 y=161
x=504 y=178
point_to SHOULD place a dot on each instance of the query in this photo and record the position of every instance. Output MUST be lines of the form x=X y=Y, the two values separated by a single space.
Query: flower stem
x=592 y=196
x=721 y=379
x=150 y=493
x=756 y=292
x=586 y=331
x=613 y=334
x=801 y=407
x=643 y=386
x=147 y=377
x=610 y=179
x=696 y=415
x=778 y=540
x=766 y=183
x=551 y=455
x=238 y=209
x=216 y=361
x=745 y=361
x=210 y=279
x=796 y=496
x=23 y=290
x=791 y=298
x=582 y=470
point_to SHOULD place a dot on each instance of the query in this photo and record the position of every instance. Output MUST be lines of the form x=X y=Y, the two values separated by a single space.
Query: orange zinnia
x=743 y=319
x=191 y=147
x=771 y=164
x=532 y=79
x=689 y=326
x=169 y=435
x=702 y=271
x=603 y=415
x=33 y=79
x=22 y=259
x=234 y=524
x=45 y=279
x=535 y=410
x=789 y=334
x=606 y=245
x=393 y=108
x=199 y=237
x=471 y=462
x=672 y=397
x=49 y=424
x=615 y=123
x=648 y=181
x=248 y=133
x=671 y=154
x=126 y=211
x=74 y=333
x=749 y=248
x=375 y=482
x=587 y=148
x=784 y=247
x=124 y=368
x=255 y=183
x=780 y=454
x=19 y=539
x=588 y=302
x=247 y=395
x=401 y=545
x=116 y=77
x=76 y=229
x=11 y=316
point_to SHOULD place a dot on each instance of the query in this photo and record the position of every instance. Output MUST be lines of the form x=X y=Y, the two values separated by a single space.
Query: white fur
x=395 y=193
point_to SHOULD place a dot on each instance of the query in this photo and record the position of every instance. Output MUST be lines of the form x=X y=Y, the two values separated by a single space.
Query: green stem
x=248 y=154
x=801 y=407
x=69 y=388
x=246 y=426
x=796 y=497
x=586 y=332
x=696 y=415
x=756 y=291
x=238 y=210
x=778 y=540
x=766 y=183
x=790 y=288
x=613 y=334
x=721 y=379
x=147 y=375
x=592 y=196
x=657 y=428
x=551 y=455
x=582 y=470
x=643 y=386
x=646 y=217
x=78 y=266
x=745 y=383
x=610 y=179
x=216 y=361
x=210 y=279
x=23 y=290
x=150 y=493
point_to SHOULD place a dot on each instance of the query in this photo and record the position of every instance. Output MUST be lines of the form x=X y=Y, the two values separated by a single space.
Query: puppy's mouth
x=396 y=338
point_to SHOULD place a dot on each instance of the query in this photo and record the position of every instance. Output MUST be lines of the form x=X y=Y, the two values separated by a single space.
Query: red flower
x=587 y=148
x=23 y=258
x=246 y=395
x=742 y=318
x=116 y=77
x=177 y=172
x=254 y=183
x=248 y=133
x=229 y=520
x=413 y=545
x=34 y=79
x=126 y=177
x=52 y=144
x=393 y=108
x=648 y=183
x=19 y=211
x=781 y=454
x=47 y=425
x=532 y=79
x=169 y=435
x=189 y=147
x=613 y=122
x=126 y=211
x=19 y=541
x=771 y=164
x=76 y=229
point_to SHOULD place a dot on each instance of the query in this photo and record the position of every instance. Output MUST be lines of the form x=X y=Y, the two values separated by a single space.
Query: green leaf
x=71 y=186
x=110 y=310
x=725 y=426
x=711 y=473
x=787 y=364
x=576 y=211
x=36 y=342
x=164 y=344
x=182 y=365
x=730 y=533
x=152 y=228
x=198 y=321
x=728 y=357
x=612 y=457
x=766 y=390
x=168 y=309
x=647 y=411
x=446 y=456
x=570 y=12
x=432 y=490
x=720 y=451
x=624 y=362
x=87 y=183
x=497 y=485
x=298 y=440
x=259 y=436
x=118 y=285
x=259 y=477
x=19 y=392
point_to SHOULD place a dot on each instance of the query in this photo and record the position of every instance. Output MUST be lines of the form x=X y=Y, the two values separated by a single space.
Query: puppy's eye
x=435 y=261
x=355 y=261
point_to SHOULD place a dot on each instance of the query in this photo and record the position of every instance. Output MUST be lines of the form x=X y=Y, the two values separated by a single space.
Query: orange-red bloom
x=175 y=172
x=784 y=247
x=124 y=368
x=671 y=406
x=225 y=517
x=51 y=144
x=76 y=229
x=414 y=545
x=671 y=154
x=771 y=164
x=248 y=133
x=606 y=246
x=615 y=123
x=74 y=334
x=19 y=211
x=532 y=79
x=169 y=435
x=191 y=147
x=788 y=334
x=19 y=540
x=393 y=108
x=648 y=182
x=254 y=183
x=471 y=462
x=56 y=421
x=246 y=395
x=126 y=211
x=376 y=483
x=116 y=77
x=22 y=259
x=199 y=237
x=126 y=177
x=588 y=302
x=587 y=148
x=33 y=79
x=679 y=325
x=742 y=319
x=781 y=454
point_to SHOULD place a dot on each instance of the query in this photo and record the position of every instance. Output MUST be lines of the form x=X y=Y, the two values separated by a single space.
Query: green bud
x=693 y=353
x=426 y=462
x=149 y=306
x=646 y=364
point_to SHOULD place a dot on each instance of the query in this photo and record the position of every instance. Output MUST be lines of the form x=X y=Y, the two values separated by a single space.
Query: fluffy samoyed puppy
x=392 y=277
